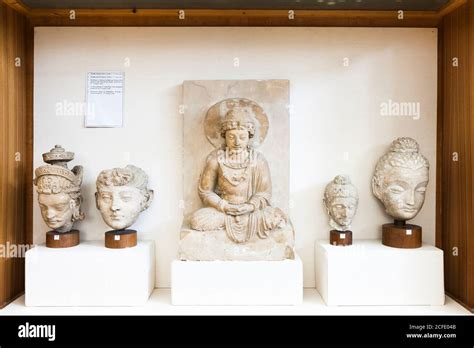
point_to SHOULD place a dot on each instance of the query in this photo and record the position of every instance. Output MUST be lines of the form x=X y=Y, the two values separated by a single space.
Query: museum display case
x=240 y=118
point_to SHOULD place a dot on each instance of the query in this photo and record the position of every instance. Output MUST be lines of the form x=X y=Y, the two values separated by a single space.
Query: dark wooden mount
x=401 y=235
x=120 y=239
x=341 y=238
x=62 y=239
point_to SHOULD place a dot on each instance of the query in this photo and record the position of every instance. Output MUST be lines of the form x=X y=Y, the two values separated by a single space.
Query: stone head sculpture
x=121 y=196
x=59 y=190
x=238 y=128
x=341 y=200
x=400 y=179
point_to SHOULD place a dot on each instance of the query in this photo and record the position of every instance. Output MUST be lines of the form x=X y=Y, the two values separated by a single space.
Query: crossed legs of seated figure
x=239 y=228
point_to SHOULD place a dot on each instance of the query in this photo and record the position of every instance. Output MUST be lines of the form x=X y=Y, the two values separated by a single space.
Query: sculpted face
x=57 y=210
x=342 y=210
x=340 y=200
x=403 y=191
x=237 y=140
x=120 y=206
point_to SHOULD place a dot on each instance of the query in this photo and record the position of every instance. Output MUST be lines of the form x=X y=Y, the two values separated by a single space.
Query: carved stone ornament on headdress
x=59 y=190
x=235 y=113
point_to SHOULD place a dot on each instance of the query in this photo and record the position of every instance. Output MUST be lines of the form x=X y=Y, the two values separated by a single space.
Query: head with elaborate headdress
x=400 y=179
x=239 y=118
x=238 y=127
x=59 y=190
x=340 y=200
x=240 y=122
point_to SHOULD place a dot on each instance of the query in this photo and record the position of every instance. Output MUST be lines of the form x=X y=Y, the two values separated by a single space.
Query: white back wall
x=338 y=79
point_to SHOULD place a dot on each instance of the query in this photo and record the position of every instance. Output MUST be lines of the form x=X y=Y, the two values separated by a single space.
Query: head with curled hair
x=59 y=196
x=122 y=194
x=341 y=200
x=400 y=179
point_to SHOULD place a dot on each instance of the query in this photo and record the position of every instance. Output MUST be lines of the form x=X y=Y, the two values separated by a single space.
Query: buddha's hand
x=238 y=209
x=245 y=209
x=231 y=209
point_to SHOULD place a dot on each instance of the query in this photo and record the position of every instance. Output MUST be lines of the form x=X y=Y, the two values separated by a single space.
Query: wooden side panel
x=439 y=140
x=457 y=169
x=28 y=131
x=470 y=160
x=13 y=152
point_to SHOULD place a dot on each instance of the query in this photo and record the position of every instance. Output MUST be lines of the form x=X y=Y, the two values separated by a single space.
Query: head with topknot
x=341 y=200
x=400 y=179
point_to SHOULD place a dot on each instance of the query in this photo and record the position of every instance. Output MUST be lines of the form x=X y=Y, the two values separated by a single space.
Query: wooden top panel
x=378 y=5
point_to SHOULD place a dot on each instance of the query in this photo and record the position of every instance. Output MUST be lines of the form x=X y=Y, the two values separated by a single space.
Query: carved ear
x=77 y=214
x=326 y=205
x=148 y=199
x=376 y=188
x=97 y=200
x=78 y=172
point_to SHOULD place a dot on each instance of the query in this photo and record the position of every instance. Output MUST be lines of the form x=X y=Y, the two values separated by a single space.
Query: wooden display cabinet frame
x=455 y=129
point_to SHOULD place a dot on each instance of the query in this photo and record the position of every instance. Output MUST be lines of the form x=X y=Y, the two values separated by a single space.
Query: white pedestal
x=369 y=273
x=237 y=282
x=90 y=275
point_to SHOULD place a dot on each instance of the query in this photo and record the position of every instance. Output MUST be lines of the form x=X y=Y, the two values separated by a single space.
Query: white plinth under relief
x=369 y=273
x=90 y=275
x=237 y=282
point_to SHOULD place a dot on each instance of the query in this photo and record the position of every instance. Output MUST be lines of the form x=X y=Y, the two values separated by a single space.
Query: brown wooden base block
x=62 y=239
x=401 y=236
x=340 y=238
x=119 y=239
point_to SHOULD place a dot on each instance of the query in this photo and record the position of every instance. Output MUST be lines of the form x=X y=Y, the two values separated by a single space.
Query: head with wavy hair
x=122 y=194
x=400 y=179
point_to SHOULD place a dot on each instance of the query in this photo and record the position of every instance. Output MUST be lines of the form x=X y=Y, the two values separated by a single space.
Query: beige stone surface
x=214 y=245
x=122 y=194
x=236 y=170
x=341 y=200
x=199 y=96
x=400 y=179
x=59 y=190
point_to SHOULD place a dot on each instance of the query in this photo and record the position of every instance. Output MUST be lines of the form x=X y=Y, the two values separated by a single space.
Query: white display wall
x=340 y=79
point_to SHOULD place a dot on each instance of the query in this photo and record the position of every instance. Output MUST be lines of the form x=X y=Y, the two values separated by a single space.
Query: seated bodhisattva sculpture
x=235 y=186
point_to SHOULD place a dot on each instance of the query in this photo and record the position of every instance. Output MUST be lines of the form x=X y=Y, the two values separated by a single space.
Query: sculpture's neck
x=243 y=154
x=235 y=159
x=66 y=228
x=338 y=227
x=399 y=222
